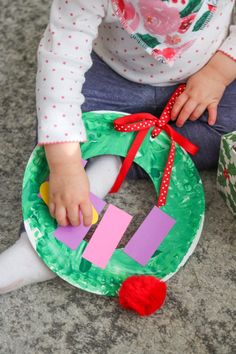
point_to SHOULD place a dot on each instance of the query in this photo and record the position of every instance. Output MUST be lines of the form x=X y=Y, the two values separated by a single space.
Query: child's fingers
x=197 y=113
x=73 y=215
x=179 y=103
x=52 y=208
x=86 y=209
x=186 y=112
x=212 y=112
x=60 y=214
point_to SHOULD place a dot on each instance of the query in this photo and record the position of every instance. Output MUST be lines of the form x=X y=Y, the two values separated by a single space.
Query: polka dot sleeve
x=229 y=45
x=64 y=55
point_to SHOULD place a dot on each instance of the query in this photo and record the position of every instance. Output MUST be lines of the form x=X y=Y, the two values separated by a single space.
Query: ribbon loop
x=141 y=123
x=135 y=122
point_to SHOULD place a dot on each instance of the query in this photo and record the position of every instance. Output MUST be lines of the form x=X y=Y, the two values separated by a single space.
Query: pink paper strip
x=72 y=236
x=149 y=236
x=107 y=236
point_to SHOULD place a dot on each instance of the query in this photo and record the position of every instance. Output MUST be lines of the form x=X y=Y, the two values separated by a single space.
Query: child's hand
x=69 y=195
x=204 y=90
x=68 y=185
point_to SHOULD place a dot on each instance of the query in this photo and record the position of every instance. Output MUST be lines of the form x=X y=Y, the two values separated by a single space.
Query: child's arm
x=206 y=87
x=64 y=55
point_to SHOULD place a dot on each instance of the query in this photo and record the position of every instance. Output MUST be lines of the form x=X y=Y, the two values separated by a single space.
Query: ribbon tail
x=182 y=141
x=129 y=160
x=164 y=188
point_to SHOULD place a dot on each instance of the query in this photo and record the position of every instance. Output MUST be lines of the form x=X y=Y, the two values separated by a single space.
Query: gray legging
x=104 y=89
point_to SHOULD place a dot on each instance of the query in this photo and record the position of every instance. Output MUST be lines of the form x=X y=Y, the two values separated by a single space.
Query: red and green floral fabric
x=165 y=28
x=226 y=177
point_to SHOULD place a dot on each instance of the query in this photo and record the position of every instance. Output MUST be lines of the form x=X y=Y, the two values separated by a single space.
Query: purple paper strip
x=149 y=236
x=84 y=162
x=72 y=236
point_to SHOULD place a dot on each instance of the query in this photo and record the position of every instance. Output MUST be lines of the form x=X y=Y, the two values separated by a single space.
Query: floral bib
x=165 y=28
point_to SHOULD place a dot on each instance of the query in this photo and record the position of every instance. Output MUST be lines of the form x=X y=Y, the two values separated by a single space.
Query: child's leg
x=20 y=264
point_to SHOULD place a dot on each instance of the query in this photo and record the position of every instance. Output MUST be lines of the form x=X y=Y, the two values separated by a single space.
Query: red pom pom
x=143 y=294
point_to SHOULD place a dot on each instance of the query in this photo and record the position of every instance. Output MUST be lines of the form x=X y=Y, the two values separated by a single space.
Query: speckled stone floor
x=53 y=317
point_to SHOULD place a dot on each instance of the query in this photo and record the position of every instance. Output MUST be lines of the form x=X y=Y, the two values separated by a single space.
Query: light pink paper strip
x=107 y=236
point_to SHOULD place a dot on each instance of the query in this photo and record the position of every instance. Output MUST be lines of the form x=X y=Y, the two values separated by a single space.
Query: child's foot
x=20 y=265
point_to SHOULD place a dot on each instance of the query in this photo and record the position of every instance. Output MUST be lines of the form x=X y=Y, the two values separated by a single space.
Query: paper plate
x=185 y=203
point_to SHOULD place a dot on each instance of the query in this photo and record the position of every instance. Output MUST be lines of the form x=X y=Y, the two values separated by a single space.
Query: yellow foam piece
x=95 y=216
x=44 y=192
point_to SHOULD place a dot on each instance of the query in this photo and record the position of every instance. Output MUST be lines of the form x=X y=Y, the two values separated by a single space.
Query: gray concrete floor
x=53 y=317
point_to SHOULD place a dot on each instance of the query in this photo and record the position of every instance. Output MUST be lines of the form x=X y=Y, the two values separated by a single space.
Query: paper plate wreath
x=167 y=236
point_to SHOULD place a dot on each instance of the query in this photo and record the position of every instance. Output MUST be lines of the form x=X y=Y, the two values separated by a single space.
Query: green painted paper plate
x=185 y=203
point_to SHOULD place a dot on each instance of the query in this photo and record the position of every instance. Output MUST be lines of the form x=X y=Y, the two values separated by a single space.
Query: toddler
x=129 y=56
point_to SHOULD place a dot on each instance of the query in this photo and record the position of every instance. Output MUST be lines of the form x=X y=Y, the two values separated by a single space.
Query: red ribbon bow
x=141 y=123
